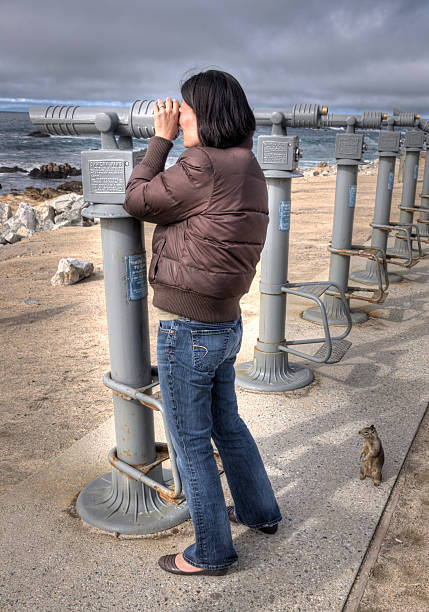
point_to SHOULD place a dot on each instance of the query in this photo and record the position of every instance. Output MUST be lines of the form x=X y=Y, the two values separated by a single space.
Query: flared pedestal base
x=336 y=314
x=116 y=503
x=401 y=251
x=423 y=230
x=369 y=277
x=272 y=372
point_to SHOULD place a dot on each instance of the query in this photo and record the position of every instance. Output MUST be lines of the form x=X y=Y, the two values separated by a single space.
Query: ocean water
x=17 y=148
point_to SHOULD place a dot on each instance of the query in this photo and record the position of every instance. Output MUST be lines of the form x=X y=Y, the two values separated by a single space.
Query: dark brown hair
x=224 y=117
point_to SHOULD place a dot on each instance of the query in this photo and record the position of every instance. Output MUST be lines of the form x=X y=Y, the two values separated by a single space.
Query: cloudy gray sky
x=366 y=54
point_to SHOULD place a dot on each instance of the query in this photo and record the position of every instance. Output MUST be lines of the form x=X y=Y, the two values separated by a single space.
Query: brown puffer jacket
x=211 y=213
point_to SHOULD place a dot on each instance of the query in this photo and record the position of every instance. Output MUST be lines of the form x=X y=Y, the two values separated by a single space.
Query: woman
x=211 y=214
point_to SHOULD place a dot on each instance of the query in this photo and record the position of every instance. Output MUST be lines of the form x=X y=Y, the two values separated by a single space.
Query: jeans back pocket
x=209 y=347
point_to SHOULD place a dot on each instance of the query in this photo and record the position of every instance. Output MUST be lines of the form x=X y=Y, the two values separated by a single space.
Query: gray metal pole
x=388 y=147
x=117 y=502
x=348 y=152
x=413 y=146
x=424 y=196
x=129 y=351
x=270 y=369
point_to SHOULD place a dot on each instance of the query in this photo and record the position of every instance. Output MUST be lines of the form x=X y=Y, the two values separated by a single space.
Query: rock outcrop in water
x=54 y=171
x=39 y=134
x=11 y=169
x=41 y=194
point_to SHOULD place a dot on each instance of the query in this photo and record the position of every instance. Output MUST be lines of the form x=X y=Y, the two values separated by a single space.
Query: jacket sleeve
x=172 y=195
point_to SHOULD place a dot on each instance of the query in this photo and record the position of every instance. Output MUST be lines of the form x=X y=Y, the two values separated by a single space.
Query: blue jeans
x=196 y=374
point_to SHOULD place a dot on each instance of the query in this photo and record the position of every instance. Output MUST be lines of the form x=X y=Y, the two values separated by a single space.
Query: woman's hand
x=166 y=116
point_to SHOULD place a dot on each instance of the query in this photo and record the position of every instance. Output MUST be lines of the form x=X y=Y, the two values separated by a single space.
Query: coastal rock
x=72 y=216
x=68 y=218
x=45 y=215
x=39 y=194
x=53 y=214
x=5 y=212
x=39 y=134
x=47 y=193
x=10 y=237
x=71 y=271
x=75 y=186
x=68 y=210
x=21 y=225
x=78 y=204
x=64 y=223
x=47 y=226
x=53 y=170
x=63 y=211
x=322 y=169
x=64 y=202
x=25 y=215
x=23 y=232
x=4 y=169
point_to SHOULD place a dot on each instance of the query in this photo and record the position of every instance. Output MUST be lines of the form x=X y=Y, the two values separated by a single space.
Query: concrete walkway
x=309 y=440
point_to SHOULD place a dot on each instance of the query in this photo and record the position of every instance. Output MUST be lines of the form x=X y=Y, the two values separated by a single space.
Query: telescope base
x=335 y=313
x=118 y=504
x=423 y=229
x=272 y=372
x=369 y=276
x=401 y=251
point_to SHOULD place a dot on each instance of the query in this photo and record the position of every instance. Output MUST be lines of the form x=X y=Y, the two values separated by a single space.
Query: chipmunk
x=373 y=455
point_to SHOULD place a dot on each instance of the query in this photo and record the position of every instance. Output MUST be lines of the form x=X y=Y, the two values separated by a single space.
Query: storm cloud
x=346 y=55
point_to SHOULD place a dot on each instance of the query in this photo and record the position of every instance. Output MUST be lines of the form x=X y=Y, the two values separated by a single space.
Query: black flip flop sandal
x=168 y=563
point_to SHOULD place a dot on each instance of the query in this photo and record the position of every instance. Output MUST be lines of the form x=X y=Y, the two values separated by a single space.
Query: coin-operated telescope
x=105 y=172
x=59 y=120
x=138 y=496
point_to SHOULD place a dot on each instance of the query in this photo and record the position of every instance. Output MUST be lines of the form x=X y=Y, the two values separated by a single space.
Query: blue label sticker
x=416 y=171
x=352 y=195
x=284 y=216
x=390 y=181
x=136 y=277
